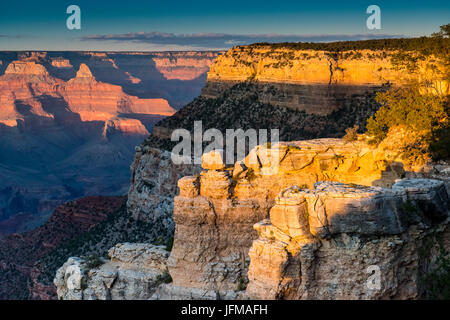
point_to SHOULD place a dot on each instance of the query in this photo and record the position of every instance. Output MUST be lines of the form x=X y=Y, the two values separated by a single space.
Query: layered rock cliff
x=318 y=81
x=215 y=212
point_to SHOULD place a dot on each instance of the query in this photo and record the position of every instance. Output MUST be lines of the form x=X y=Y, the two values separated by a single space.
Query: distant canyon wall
x=69 y=122
x=177 y=77
x=316 y=81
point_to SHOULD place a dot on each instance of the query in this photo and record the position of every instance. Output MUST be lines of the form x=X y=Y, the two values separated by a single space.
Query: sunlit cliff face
x=318 y=81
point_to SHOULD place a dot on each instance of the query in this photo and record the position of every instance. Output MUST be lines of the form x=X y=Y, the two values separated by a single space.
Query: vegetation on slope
x=19 y=252
x=117 y=228
x=424 y=116
x=421 y=113
x=240 y=107
x=437 y=44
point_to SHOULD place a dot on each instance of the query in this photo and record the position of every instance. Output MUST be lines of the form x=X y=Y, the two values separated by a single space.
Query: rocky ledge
x=324 y=243
x=133 y=272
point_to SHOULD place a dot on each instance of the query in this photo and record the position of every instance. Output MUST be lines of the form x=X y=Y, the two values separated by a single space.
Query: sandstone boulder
x=335 y=208
x=430 y=195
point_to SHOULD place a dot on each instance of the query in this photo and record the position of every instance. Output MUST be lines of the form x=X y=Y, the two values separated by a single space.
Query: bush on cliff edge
x=424 y=116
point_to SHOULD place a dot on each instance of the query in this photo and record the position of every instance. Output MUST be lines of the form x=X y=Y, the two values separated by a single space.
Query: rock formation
x=94 y=100
x=61 y=63
x=324 y=243
x=249 y=225
x=216 y=211
x=133 y=273
x=184 y=65
x=154 y=184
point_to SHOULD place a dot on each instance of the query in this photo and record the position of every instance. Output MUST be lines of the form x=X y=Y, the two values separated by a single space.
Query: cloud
x=10 y=36
x=223 y=40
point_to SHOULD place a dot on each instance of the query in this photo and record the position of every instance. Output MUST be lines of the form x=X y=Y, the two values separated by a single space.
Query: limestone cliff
x=305 y=93
x=317 y=81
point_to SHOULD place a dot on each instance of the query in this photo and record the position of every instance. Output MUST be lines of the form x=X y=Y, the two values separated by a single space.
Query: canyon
x=304 y=221
x=308 y=223
x=69 y=122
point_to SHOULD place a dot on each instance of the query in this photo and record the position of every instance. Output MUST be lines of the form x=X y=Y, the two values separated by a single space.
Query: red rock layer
x=25 y=83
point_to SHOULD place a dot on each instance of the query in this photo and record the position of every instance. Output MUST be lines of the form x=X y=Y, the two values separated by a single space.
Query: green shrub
x=242 y=284
x=425 y=116
x=169 y=244
x=93 y=261
x=408 y=107
x=440 y=146
x=164 y=278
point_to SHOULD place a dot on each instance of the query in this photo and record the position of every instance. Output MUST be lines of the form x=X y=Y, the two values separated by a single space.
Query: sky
x=207 y=25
